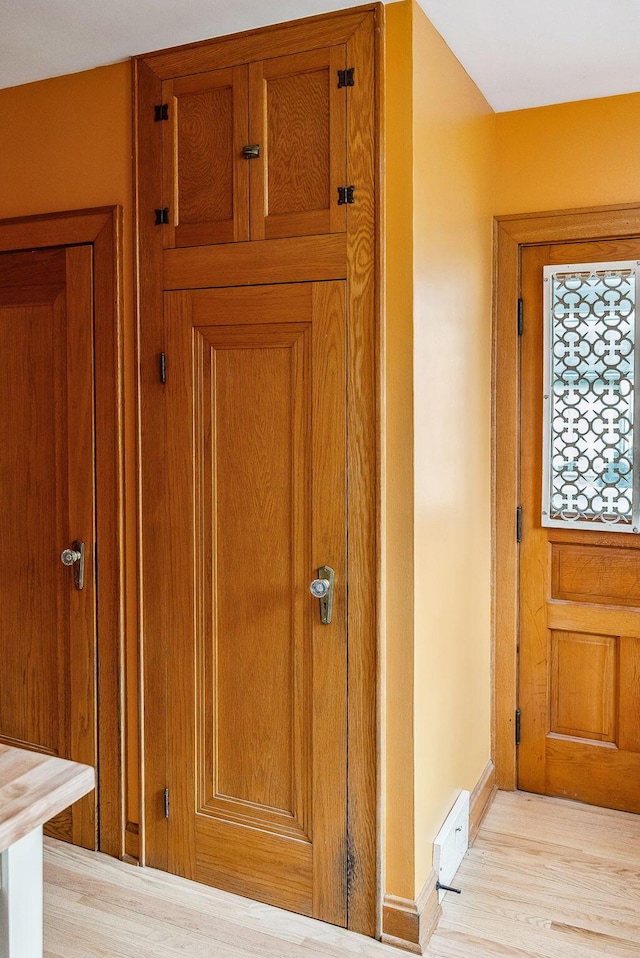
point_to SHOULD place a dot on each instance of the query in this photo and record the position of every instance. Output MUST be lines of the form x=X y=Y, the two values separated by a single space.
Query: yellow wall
x=568 y=156
x=448 y=137
x=66 y=144
x=454 y=144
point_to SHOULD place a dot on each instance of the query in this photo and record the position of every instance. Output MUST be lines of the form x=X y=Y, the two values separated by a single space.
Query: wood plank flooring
x=545 y=879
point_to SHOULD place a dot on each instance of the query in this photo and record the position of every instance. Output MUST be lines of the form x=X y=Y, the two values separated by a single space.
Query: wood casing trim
x=358 y=259
x=101 y=227
x=409 y=924
x=510 y=234
x=132 y=843
x=248 y=46
x=481 y=800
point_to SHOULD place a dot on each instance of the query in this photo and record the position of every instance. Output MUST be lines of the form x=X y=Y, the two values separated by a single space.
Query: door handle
x=75 y=557
x=322 y=589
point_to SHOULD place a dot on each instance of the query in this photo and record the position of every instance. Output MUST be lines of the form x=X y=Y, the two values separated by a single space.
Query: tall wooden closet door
x=298 y=118
x=206 y=177
x=257 y=690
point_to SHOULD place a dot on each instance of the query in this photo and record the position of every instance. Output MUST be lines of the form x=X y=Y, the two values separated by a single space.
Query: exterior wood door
x=47 y=626
x=292 y=112
x=256 y=683
x=579 y=678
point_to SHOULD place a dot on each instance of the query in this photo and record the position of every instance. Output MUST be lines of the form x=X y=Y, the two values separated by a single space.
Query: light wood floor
x=545 y=879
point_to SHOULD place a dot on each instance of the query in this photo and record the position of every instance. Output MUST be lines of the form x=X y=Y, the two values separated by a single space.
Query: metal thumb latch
x=322 y=588
x=75 y=557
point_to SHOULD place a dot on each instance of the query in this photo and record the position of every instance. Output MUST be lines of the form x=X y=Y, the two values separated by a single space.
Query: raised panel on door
x=579 y=688
x=206 y=177
x=256 y=451
x=298 y=118
x=47 y=627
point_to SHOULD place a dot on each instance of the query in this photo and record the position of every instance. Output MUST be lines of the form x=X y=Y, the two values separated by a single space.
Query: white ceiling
x=521 y=53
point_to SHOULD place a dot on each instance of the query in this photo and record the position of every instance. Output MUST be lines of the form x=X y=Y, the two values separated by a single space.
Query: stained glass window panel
x=590 y=465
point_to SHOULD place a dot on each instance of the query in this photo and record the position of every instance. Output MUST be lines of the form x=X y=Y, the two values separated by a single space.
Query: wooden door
x=47 y=626
x=256 y=684
x=298 y=117
x=579 y=676
x=206 y=177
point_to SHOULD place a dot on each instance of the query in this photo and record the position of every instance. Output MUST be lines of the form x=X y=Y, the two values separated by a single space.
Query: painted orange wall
x=567 y=156
x=66 y=144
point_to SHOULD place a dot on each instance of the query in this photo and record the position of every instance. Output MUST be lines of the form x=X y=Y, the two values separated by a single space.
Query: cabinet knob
x=251 y=152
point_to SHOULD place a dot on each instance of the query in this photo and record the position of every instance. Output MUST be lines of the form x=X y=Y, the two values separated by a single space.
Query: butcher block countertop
x=34 y=788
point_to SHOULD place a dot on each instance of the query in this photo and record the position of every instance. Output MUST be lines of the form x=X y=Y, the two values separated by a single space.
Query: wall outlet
x=452 y=842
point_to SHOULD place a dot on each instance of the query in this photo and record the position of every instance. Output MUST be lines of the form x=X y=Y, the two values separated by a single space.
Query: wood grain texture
x=595 y=574
x=259 y=382
x=34 y=788
x=482 y=798
x=297 y=114
x=583 y=685
x=303 y=259
x=206 y=178
x=545 y=878
x=284 y=261
x=310 y=33
x=48 y=630
x=512 y=233
x=152 y=473
x=102 y=229
x=409 y=924
x=97 y=907
x=569 y=677
x=363 y=138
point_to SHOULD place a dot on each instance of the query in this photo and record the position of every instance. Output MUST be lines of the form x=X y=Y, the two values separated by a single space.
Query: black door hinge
x=345 y=78
x=520 y=317
x=345 y=195
x=162 y=216
x=166 y=803
x=517 y=728
x=519 y=524
x=163 y=368
x=161 y=112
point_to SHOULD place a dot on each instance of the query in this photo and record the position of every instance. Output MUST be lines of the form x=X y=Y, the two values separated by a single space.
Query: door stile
x=330 y=642
x=81 y=526
x=533 y=646
x=180 y=532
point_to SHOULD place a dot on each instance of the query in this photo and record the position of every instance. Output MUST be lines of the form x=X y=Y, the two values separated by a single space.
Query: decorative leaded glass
x=591 y=473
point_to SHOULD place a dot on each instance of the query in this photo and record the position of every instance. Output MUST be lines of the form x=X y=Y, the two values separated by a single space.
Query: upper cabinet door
x=298 y=117
x=206 y=178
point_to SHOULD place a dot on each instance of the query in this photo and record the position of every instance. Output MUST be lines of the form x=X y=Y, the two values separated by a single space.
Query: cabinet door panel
x=298 y=116
x=206 y=178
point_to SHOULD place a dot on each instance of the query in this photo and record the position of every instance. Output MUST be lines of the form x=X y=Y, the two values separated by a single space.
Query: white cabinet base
x=21 y=898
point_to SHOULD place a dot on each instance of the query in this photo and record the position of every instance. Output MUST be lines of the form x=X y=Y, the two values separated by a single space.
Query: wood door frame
x=511 y=233
x=356 y=256
x=102 y=229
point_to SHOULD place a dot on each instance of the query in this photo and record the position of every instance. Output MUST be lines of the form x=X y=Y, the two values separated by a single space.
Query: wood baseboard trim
x=481 y=799
x=132 y=844
x=409 y=924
